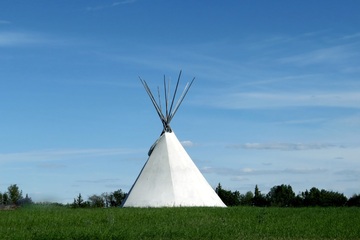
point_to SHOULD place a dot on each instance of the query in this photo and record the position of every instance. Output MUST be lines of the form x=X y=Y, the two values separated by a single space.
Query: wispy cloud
x=351 y=36
x=283 y=146
x=105 y=180
x=105 y=6
x=48 y=155
x=326 y=55
x=251 y=171
x=48 y=165
x=187 y=143
x=352 y=121
x=303 y=121
x=18 y=38
x=248 y=100
x=4 y=22
x=349 y=174
x=123 y=2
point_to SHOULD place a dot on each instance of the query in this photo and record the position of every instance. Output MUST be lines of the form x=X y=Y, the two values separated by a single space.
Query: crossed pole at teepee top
x=169 y=112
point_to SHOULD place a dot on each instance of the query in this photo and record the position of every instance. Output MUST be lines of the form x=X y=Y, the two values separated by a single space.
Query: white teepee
x=169 y=177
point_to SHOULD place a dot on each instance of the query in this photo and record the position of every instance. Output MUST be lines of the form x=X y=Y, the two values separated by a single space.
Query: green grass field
x=49 y=222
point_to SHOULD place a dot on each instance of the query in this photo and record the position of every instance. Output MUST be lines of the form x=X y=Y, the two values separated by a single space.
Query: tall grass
x=41 y=222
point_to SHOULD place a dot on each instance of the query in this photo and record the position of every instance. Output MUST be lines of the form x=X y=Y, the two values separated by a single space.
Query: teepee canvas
x=169 y=177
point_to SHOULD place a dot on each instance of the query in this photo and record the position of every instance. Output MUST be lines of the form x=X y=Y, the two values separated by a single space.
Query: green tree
x=25 y=201
x=228 y=197
x=5 y=198
x=259 y=199
x=298 y=201
x=117 y=197
x=312 y=197
x=113 y=199
x=323 y=198
x=96 y=201
x=257 y=192
x=281 y=196
x=15 y=195
x=354 y=201
x=247 y=199
x=332 y=199
x=78 y=202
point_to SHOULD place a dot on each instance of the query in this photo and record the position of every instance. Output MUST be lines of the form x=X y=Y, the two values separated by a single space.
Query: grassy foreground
x=40 y=222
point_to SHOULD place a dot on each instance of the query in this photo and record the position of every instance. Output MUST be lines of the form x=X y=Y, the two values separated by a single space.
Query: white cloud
x=347 y=99
x=351 y=36
x=46 y=155
x=16 y=38
x=261 y=172
x=303 y=121
x=328 y=55
x=349 y=175
x=114 y=4
x=283 y=146
x=4 y=22
x=123 y=2
x=187 y=143
x=353 y=121
x=105 y=180
x=48 y=165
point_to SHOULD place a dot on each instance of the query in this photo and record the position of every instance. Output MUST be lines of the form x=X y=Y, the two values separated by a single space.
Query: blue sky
x=275 y=101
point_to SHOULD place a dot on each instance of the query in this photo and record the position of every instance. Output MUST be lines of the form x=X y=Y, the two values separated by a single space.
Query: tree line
x=284 y=196
x=278 y=196
x=112 y=199
x=13 y=196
